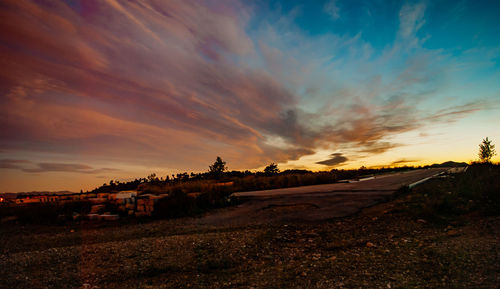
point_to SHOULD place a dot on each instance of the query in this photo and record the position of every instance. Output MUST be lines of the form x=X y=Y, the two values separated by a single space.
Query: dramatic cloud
x=144 y=74
x=172 y=84
x=335 y=159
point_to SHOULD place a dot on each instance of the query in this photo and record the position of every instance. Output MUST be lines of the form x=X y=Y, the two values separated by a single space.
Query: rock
x=8 y=219
x=109 y=217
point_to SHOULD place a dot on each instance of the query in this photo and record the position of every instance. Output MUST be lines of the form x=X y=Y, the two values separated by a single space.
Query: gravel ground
x=380 y=247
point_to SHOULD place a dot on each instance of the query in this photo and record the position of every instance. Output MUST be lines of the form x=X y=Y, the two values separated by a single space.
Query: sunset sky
x=96 y=90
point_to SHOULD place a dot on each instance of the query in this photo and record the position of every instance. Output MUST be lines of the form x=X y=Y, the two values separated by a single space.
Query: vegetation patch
x=443 y=199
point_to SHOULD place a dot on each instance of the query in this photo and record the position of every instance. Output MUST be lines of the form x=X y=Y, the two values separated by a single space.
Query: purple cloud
x=12 y=163
x=335 y=159
x=68 y=168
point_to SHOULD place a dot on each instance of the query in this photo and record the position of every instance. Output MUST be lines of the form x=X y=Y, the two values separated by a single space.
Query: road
x=314 y=203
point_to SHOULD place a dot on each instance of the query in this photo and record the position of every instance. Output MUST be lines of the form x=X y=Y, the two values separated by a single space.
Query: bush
x=440 y=200
x=38 y=213
x=177 y=204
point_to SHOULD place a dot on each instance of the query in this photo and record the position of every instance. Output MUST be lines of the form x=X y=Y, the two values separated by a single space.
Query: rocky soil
x=381 y=247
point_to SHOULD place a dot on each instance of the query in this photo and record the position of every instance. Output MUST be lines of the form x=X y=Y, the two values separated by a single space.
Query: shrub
x=478 y=189
x=37 y=213
x=177 y=204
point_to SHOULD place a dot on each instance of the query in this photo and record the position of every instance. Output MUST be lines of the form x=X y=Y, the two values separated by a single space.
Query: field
x=438 y=235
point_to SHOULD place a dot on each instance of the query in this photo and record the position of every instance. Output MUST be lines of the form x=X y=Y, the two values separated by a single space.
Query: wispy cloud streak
x=30 y=167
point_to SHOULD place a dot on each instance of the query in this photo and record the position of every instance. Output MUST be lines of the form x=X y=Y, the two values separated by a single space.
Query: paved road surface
x=314 y=203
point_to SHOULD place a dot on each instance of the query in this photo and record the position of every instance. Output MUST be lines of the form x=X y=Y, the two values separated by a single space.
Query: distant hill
x=34 y=193
x=449 y=164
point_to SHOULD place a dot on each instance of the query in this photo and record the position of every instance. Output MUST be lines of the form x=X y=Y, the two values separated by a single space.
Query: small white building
x=126 y=194
x=124 y=197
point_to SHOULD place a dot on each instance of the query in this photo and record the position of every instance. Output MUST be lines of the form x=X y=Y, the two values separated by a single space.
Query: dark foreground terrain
x=433 y=236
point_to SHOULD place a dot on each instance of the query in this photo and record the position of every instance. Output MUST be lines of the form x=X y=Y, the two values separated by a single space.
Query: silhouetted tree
x=486 y=151
x=217 y=169
x=152 y=177
x=182 y=176
x=271 y=169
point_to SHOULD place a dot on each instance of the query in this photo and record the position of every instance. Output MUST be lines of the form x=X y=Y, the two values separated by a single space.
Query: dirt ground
x=380 y=247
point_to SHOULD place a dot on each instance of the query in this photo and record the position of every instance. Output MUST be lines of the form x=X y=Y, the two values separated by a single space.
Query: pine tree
x=486 y=151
